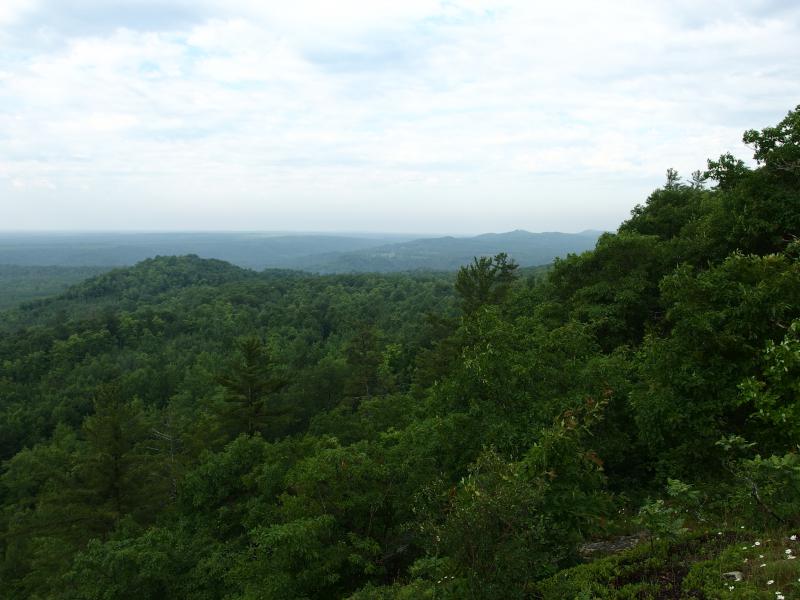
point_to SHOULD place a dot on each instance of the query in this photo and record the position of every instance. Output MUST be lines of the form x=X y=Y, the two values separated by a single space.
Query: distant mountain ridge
x=321 y=253
x=108 y=249
x=449 y=253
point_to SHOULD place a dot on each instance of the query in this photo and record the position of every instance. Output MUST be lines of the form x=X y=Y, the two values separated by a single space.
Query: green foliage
x=767 y=571
x=718 y=320
x=299 y=559
x=691 y=567
x=660 y=520
x=665 y=520
x=25 y=284
x=766 y=490
x=613 y=289
x=775 y=394
x=250 y=386
x=131 y=567
x=778 y=147
x=485 y=281
x=728 y=171
x=507 y=523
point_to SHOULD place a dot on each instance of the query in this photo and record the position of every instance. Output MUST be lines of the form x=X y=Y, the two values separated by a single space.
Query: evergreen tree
x=250 y=384
x=486 y=281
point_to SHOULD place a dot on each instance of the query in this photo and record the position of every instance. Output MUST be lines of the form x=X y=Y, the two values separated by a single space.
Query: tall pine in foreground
x=250 y=385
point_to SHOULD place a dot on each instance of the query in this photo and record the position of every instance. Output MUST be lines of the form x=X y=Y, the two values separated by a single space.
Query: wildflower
x=788 y=551
x=770 y=582
x=791 y=557
x=760 y=556
x=764 y=565
x=793 y=538
x=757 y=544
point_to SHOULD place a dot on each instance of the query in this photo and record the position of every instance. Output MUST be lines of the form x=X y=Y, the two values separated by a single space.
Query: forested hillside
x=22 y=284
x=189 y=429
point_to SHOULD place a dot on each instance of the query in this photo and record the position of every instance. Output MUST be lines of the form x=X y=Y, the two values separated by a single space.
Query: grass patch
x=692 y=567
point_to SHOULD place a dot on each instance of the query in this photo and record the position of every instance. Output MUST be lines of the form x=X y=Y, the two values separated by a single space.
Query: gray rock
x=605 y=547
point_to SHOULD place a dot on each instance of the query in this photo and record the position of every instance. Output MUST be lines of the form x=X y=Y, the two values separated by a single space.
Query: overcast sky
x=408 y=115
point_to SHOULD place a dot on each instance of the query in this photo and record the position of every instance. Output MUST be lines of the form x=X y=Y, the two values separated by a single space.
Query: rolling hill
x=311 y=252
x=450 y=253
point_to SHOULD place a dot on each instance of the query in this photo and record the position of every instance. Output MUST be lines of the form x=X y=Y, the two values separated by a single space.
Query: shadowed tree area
x=250 y=386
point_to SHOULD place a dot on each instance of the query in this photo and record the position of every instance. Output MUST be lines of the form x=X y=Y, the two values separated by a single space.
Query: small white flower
x=757 y=544
x=764 y=565
x=719 y=533
x=791 y=557
x=770 y=582
x=730 y=587
x=793 y=538
x=760 y=556
x=788 y=551
x=744 y=547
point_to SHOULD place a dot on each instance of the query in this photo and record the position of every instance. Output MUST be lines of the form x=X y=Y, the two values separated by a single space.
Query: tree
x=364 y=357
x=778 y=147
x=116 y=471
x=250 y=386
x=486 y=281
x=673 y=179
x=727 y=171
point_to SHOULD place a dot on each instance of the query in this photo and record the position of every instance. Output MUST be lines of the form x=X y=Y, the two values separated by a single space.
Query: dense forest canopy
x=185 y=428
x=20 y=284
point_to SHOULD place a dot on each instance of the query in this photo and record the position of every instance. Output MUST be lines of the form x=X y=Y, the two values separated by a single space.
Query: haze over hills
x=255 y=250
x=449 y=253
x=324 y=253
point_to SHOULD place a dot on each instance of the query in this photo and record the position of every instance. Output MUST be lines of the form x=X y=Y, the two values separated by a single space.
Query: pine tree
x=250 y=386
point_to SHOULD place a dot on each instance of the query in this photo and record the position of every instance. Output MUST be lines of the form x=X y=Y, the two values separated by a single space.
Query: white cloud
x=417 y=115
x=12 y=11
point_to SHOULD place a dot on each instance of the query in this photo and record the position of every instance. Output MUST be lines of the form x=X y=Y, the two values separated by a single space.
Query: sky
x=427 y=116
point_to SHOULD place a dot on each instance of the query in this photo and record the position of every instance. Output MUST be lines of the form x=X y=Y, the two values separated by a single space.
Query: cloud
x=99 y=17
x=212 y=113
